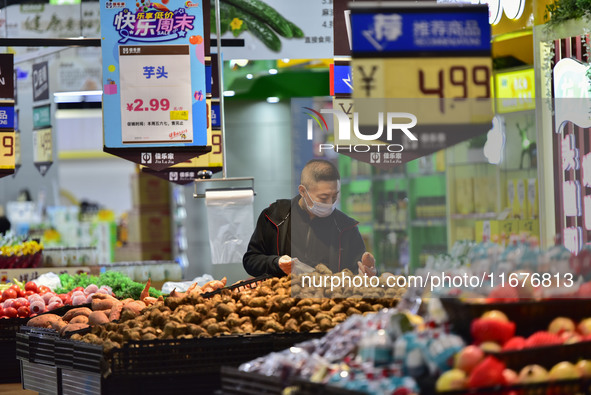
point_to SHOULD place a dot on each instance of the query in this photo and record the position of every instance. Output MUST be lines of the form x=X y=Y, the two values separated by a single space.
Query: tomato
x=15 y=287
x=10 y=312
x=16 y=304
x=42 y=289
x=20 y=293
x=29 y=293
x=24 y=311
x=9 y=293
x=31 y=286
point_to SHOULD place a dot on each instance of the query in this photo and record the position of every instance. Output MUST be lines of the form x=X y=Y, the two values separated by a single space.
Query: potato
x=224 y=309
x=272 y=324
x=304 y=302
x=295 y=311
x=308 y=317
x=258 y=311
x=325 y=324
x=149 y=336
x=291 y=325
x=213 y=329
x=352 y=310
x=260 y=301
x=338 y=308
x=307 y=326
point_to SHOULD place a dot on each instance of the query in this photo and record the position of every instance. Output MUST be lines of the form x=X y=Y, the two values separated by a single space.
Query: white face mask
x=320 y=209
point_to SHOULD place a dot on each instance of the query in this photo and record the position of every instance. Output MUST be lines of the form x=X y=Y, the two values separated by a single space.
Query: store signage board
x=7 y=84
x=154 y=81
x=428 y=63
x=41 y=116
x=515 y=91
x=306 y=26
x=40 y=81
x=43 y=149
x=572 y=106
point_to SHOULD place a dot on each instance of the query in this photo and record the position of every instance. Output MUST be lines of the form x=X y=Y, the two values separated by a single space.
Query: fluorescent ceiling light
x=249 y=76
x=229 y=93
x=78 y=96
x=272 y=99
x=272 y=71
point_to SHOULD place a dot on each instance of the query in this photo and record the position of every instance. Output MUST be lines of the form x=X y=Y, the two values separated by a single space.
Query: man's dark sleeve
x=261 y=257
x=353 y=249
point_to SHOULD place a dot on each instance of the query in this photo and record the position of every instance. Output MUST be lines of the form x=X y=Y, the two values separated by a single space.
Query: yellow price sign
x=454 y=79
x=7 y=150
x=42 y=146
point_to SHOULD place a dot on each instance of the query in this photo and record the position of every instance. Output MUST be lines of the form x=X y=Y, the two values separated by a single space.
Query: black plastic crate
x=44 y=379
x=36 y=345
x=564 y=387
x=529 y=316
x=185 y=356
x=9 y=365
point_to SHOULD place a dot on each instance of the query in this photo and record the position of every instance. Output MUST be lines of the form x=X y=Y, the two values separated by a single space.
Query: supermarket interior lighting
x=229 y=93
x=249 y=76
x=272 y=99
x=272 y=71
x=78 y=96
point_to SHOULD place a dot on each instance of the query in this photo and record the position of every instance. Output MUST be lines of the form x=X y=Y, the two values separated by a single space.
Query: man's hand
x=285 y=263
x=367 y=265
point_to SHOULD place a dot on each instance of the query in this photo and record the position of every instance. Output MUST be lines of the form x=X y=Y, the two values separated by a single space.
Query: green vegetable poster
x=275 y=29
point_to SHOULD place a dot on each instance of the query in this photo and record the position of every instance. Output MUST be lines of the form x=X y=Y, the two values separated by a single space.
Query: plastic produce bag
x=183 y=286
x=50 y=280
x=231 y=224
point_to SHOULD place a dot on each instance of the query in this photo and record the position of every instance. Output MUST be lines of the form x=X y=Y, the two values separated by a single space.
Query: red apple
x=468 y=358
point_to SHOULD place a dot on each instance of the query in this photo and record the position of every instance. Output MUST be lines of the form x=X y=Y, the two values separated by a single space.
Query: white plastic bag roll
x=231 y=223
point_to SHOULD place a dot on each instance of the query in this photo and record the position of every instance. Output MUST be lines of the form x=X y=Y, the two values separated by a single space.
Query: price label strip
x=42 y=149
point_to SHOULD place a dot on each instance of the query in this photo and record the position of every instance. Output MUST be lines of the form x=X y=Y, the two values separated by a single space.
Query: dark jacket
x=284 y=228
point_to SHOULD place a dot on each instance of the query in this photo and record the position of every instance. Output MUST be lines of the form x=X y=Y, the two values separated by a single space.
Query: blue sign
x=208 y=79
x=452 y=29
x=215 y=115
x=342 y=79
x=7 y=117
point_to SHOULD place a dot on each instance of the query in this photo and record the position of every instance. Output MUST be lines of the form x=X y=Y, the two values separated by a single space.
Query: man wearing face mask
x=309 y=228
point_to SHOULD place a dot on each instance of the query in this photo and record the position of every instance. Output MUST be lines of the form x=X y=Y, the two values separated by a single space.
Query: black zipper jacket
x=284 y=228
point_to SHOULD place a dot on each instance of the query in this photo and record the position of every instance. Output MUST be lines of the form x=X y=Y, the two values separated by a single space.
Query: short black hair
x=319 y=170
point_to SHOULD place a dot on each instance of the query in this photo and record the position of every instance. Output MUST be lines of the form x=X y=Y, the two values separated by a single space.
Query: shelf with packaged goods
x=480 y=193
x=395 y=235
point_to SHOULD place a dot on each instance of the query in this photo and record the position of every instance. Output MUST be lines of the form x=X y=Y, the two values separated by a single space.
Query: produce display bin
x=44 y=379
x=564 y=387
x=9 y=365
x=235 y=382
x=36 y=345
x=546 y=356
x=528 y=315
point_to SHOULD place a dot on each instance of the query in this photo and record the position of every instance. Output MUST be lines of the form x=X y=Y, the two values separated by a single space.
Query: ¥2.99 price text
x=150 y=105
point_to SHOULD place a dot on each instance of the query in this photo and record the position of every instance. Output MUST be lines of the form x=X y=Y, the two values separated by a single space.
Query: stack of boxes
x=149 y=221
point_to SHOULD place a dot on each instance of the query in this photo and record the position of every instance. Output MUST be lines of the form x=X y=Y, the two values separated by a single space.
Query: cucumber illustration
x=266 y=13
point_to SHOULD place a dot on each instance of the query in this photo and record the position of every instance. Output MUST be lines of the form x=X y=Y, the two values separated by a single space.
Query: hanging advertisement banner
x=40 y=81
x=7 y=83
x=154 y=81
x=276 y=29
x=7 y=139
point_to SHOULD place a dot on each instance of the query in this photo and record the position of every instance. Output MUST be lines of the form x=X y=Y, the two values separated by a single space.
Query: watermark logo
x=318 y=118
x=190 y=4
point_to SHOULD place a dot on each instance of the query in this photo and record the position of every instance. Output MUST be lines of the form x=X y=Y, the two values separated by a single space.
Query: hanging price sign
x=7 y=150
x=154 y=86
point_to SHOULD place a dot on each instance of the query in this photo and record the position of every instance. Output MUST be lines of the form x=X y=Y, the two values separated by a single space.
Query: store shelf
x=474 y=216
x=385 y=177
x=429 y=222
x=420 y=175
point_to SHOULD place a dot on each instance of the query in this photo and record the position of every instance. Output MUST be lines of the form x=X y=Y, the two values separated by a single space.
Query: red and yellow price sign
x=7 y=150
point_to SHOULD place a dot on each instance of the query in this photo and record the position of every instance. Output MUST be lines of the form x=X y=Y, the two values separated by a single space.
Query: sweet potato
x=58 y=324
x=43 y=320
x=72 y=328
x=82 y=319
x=136 y=306
x=97 y=318
x=85 y=311
x=115 y=311
x=103 y=302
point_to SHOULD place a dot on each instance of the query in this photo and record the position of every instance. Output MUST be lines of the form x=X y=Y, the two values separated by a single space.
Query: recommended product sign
x=154 y=78
x=421 y=80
